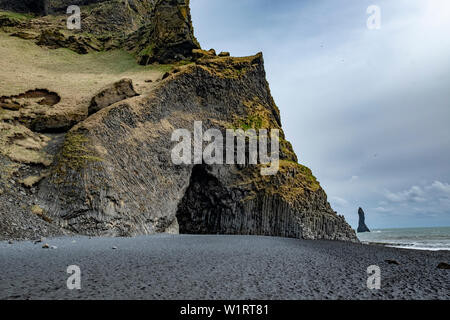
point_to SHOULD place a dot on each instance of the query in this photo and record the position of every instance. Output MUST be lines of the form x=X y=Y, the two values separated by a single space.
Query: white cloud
x=338 y=201
x=433 y=198
x=414 y=194
x=382 y=209
x=442 y=188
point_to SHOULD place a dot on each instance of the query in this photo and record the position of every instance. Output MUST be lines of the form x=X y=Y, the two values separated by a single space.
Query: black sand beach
x=217 y=267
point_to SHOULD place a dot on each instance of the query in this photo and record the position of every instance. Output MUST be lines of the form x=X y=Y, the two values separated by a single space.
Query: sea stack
x=362 y=224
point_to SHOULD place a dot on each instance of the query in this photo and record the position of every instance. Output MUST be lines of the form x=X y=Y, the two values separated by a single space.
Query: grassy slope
x=75 y=77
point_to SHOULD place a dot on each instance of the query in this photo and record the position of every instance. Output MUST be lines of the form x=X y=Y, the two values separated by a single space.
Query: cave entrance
x=207 y=206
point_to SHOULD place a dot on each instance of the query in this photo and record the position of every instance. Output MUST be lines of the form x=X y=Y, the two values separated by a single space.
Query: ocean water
x=412 y=238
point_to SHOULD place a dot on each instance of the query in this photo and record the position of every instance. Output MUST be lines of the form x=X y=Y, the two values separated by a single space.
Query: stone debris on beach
x=443 y=266
x=42 y=239
x=47 y=246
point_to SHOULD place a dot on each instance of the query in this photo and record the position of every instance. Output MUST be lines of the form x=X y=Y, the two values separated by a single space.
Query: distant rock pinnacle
x=362 y=224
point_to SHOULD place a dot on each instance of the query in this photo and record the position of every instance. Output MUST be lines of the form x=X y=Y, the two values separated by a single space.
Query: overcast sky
x=367 y=110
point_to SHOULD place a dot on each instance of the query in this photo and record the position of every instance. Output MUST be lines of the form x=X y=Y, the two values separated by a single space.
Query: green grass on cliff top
x=15 y=15
x=25 y=66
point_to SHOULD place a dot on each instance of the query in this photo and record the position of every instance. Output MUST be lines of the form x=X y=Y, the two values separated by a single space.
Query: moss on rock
x=76 y=153
x=38 y=211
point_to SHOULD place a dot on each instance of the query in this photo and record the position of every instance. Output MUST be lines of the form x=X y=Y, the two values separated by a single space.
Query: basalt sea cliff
x=86 y=118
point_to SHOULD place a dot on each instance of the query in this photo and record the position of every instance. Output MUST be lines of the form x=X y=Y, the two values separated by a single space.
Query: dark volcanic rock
x=116 y=92
x=154 y=30
x=168 y=37
x=115 y=20
x=43 y=7
x=199 y=54
x=39 y=7
x=362 y=224
x=82 y=44
x=114 y=175
x=108 y=170
x=443 y=266
x=60 y=6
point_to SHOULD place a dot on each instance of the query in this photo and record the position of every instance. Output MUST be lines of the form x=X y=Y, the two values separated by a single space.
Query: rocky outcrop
x=168 y=37
x=154 y=30
x=224 y=208
x=114 y=175
x=44 y=7
x=60 y=6
x=54 y=39
x=25 y=157
x=39 y=7
x=113 y=20
x=362 y=224
x=116 y=92
x=102 y=165
x=38 y=110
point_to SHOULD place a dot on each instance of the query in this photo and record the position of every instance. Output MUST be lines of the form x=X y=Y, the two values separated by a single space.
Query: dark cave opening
x=214 y=204
x=207 y=206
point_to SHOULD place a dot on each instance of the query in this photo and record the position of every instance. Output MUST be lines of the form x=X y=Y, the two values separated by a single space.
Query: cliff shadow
x=211 y=205
x=207 y=207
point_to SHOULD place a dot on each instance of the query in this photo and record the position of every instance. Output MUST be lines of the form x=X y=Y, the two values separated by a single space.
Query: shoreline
x=190 y=267
x=426 y=238
x=402 y=246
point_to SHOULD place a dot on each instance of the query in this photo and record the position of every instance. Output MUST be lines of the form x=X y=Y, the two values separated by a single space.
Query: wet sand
x=217 y=267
